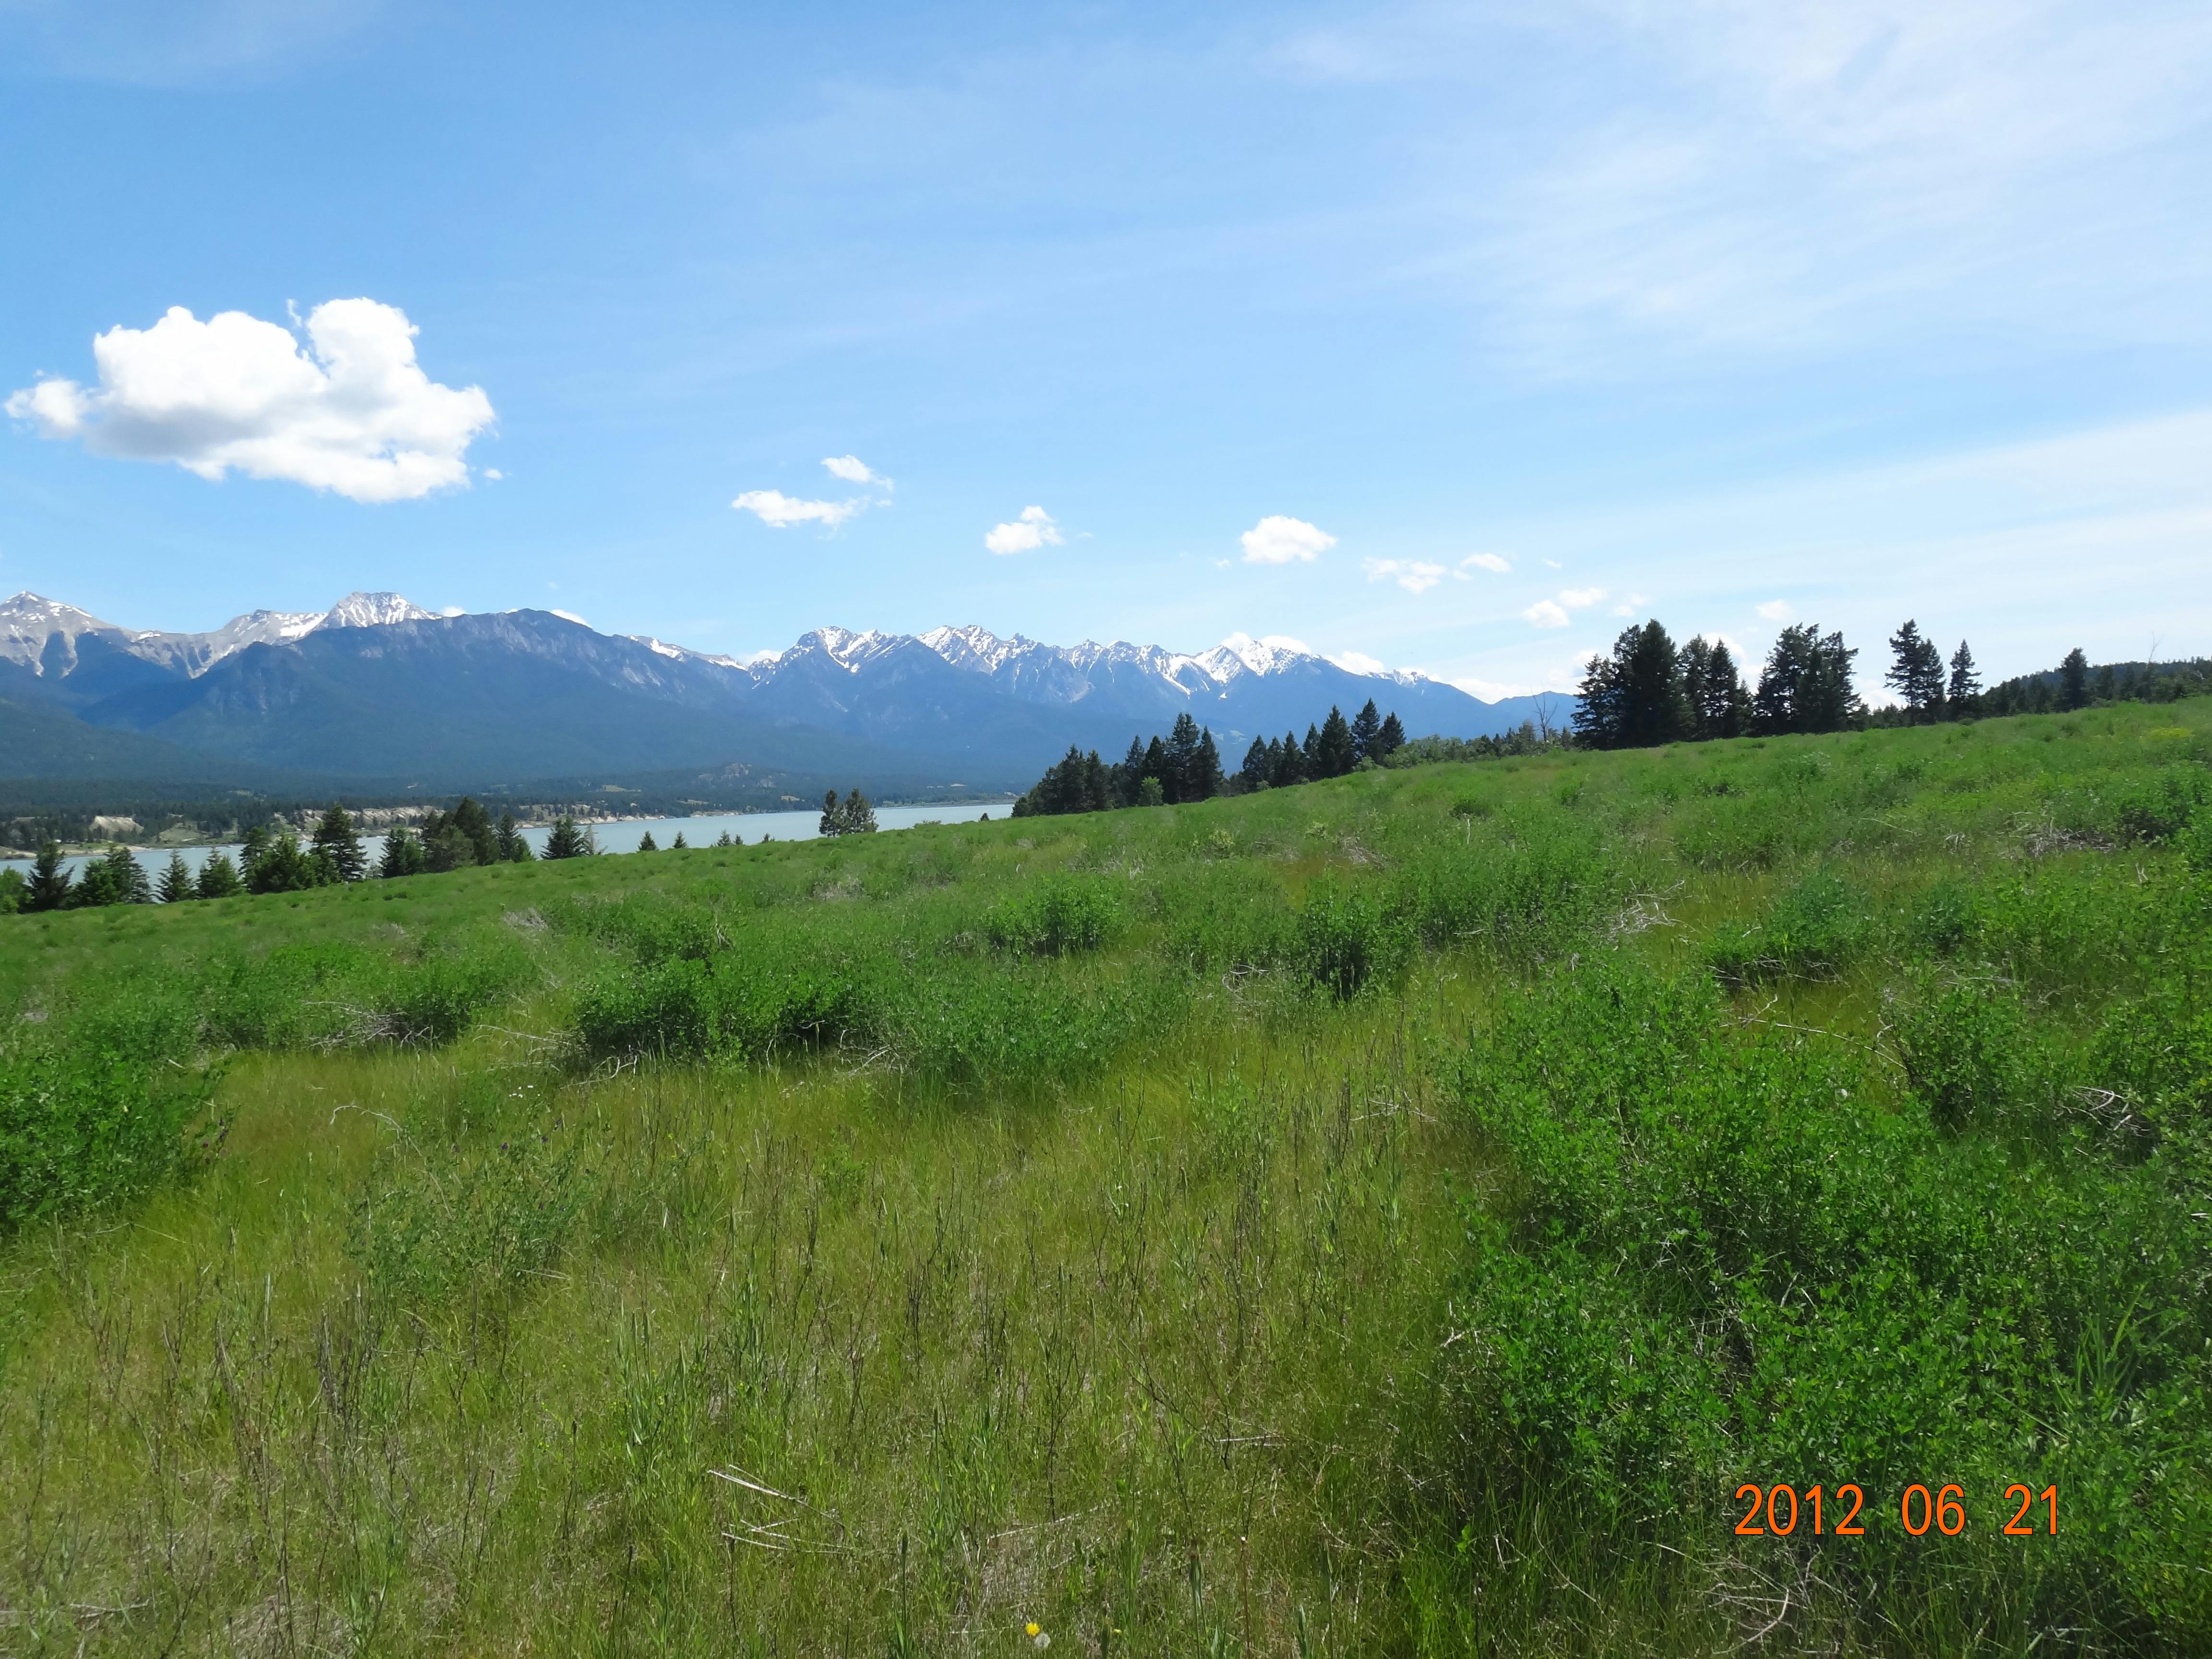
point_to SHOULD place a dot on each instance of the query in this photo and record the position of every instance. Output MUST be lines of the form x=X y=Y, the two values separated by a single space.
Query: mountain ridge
x=379 y=685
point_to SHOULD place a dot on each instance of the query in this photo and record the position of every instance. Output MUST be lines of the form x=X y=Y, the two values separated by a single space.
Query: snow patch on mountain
x=373 y=610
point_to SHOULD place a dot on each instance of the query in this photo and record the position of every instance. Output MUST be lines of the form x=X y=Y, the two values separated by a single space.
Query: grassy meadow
x=1387 y=1216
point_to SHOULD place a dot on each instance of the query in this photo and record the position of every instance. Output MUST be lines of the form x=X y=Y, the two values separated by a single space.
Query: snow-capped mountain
x=378 y=686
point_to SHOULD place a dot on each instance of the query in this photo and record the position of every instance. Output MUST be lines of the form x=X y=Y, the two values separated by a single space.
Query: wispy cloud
x=1414 y=575
x=778 y=511
x=1496 y=564
x=1581 y=598
x=1034 y=529
x=1775 y=610
x=853 y=470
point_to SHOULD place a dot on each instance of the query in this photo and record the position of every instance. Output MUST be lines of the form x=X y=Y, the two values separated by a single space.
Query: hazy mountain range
x=378 y=688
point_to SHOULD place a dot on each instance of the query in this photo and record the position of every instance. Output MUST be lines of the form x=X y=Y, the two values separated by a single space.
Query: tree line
x=276 y=860
x=1186 y=766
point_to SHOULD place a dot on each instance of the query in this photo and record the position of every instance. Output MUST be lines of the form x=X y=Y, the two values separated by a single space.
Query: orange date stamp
x=1778 y=1511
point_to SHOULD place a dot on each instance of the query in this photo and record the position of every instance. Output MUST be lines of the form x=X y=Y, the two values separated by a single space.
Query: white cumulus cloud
x=350 y=412
x=778 y=511
x=1277 y=539
x=1414 y=575
x=1581 y=598
x=1495 y=563
x=1358 y=662
x=853 y=470
x=1775 y=610
x=1033 y=530
x=1546 y=614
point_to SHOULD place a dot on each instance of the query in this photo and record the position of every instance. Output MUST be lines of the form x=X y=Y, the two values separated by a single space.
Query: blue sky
x=1437 y=334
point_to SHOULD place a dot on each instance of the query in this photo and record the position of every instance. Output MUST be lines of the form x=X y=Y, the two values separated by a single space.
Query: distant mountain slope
x=378 y=687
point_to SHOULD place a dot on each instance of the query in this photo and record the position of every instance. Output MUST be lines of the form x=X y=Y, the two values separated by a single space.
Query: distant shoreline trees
x=1186 y=765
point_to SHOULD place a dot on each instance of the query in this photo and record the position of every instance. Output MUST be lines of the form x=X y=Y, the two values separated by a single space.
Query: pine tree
x=2074 y=680
x=218 y=878
x=251 y=847
x=48 y=887
x=1155 y=771
x=1965 y=684
x=860 y=816
x=472 y=821
x=647 y=844
x=1291 y=759
x=723 y=840
x=568 y=839
x=679 y=844
x=1366 y=731
x=1257 y=769
x=1206 y=780
x=402 y=854
x=1337 y=757
x=1806 y=685
x=833 y=817
x=1309 y=761
x=509 y=843
x=1716 y=705
x=1179 y=775
x=281 y=867
x=1129 y=776
x=340 y=847
x=1391 y=738
x=177 y=881
x=1916 y=673
x=128 y=875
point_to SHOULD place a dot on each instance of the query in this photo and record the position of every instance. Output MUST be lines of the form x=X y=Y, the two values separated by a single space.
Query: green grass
x=1388 y=1216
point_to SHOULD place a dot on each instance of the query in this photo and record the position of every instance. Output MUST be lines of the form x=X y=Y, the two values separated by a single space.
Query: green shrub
x=1812 y=932
x=491 y=1220
x=1348 y=938
x=98 y=1115
x=2161 y=805
x=1056 y=917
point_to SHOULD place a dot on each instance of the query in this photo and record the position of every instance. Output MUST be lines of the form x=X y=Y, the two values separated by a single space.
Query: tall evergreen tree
x=860 y=816
x=1366 y=729
x=2074 y=680
x=1965 y=684
x=1206 y=780
x=512 y=846
x=1179 y=774
x=339 y=846
x=472 y=821
x=723 y=840
x=1291 y=759
x=177 y=881
x=282 y=867
x=1309 y=760
x=402 y=853
x=1715 y=704
x=218 y=878
x=48 y=887
x=1391 y=738
x=129 y=876
x=1257 y=769
x=1915 y=672
x=1635 y=698
x=1336 y=755
x=1129 y=776
x=568 y=838
x=647 y=844
x=1806 y=685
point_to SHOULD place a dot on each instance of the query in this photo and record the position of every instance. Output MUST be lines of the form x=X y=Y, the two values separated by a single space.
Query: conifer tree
x=1366 y=731
x=1257 y=769
x=1965 y=684
x=1179 y=777
x=1206 y=780
x=1129 y=776
x=860 y=816
x=1309 y=761
x=1716 y=705
x=509 y=843
x=1291 y=759
x=1155 y=770
x=218 y=878
x=679 y=844
x=281 y=867
x=1391 y=738
x=128 y=875
x=647 y=844
x=177 y=881
x=402 y=854
x=339 y=847
x=833 y=816
x=1915 y=672
x=1337 y=755
x=48 y=887
x=1806 y=685
x=723 y=840
x=472 y=821
x=252 y=846
x=568 y=839
x=2074 y=680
